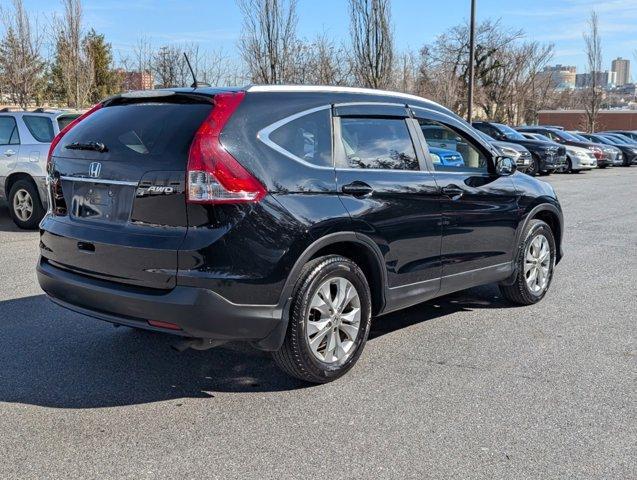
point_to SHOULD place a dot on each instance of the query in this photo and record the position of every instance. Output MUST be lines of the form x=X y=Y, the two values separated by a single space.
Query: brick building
x=136 y=80
x=576 y=119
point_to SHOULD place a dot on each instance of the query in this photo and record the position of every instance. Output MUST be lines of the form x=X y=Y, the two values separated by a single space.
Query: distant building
x=136 y=80
x=605 y=79
x=562 y=76
x=576 y=119
x=621 y=66
x=628 y=89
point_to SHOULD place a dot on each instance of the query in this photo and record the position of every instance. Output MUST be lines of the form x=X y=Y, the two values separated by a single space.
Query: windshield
x=64 y=120
x=619 y=138
x=600 y=139
x=539 y=136
x=485 y=137
x=139 y=132
x=508 y=132
x=579 y=137
x=567 y=136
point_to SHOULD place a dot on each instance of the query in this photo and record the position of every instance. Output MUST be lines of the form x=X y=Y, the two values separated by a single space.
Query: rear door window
x=308 y=138
x=378 y=143
x=9 y=131
x=40 y=127
x=138 y=132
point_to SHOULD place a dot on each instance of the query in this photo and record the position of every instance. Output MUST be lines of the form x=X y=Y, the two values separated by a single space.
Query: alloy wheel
x=537 y=264
x=23 y=205
x=333 y=321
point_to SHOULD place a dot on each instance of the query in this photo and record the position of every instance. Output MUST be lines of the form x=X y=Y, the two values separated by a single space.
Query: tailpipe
x=196 y=344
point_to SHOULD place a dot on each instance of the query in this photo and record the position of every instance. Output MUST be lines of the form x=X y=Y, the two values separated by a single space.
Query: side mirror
x=505 y=166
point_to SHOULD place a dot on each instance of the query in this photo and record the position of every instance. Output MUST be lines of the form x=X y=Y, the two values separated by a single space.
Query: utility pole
x=472 y=55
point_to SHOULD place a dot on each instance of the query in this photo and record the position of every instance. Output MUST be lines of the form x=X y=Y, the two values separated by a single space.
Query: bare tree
x=143 y=55
x=21 y=63
x=268 y=44
x=217 y=69
x=166 y=66
x=372 y=42
x=593 y=92
x=407 y=73
x=74 y=60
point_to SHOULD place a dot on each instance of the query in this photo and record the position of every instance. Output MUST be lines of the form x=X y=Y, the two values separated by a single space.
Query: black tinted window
x=378 y=143
x=9 y=131
x=450 y=150
x=40 y=127
x=64 y=120
x=308 y=137
x=139 y=132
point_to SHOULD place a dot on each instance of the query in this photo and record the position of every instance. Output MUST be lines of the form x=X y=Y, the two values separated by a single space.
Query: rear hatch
x=118 y=190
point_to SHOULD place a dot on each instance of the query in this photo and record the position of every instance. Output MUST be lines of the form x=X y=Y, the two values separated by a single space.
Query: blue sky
x=217 y=23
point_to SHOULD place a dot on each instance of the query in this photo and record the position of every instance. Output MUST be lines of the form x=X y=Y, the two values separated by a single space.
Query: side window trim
x=339 y=149
x=453 y=124
x=14 y=131
x=264 y=136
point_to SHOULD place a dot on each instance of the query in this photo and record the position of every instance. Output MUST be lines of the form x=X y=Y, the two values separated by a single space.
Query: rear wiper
x=96 y=146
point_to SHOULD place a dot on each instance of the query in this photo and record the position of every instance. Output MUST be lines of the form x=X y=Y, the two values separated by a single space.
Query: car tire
x=533 y=272
x=534 y=167
x=569 y=165
x=25 y=206
x=308 y=352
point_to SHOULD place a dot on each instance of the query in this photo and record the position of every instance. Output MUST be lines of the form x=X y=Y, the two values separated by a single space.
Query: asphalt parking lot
x=463 y=387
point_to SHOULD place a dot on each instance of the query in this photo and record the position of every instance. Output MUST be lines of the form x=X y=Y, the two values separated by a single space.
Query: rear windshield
x=138 y=132
x=64 y=120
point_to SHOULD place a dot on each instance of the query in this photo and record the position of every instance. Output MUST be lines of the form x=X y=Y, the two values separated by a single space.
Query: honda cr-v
x=287 y=217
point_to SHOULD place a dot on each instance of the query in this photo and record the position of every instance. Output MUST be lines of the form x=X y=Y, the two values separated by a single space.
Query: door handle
x=357 y=189
x=9 y=153
x=453 y=191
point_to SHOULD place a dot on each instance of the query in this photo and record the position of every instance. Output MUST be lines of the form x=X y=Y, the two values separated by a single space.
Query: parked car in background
x=632 y=134
x=518 y=153
x=546 y=157
x=627 y=153
x=577 y=158
x=618 y=137
x=564 y=138
x=450 y=158
x=25 y=138
x=203 y=212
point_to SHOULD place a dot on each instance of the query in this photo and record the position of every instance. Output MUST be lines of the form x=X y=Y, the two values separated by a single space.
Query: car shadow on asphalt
x=6 y=224
x=55 y=358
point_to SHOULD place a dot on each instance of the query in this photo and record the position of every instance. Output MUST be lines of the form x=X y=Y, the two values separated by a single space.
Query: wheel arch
x=552 y=216
x=13 y=178
x=359 y=248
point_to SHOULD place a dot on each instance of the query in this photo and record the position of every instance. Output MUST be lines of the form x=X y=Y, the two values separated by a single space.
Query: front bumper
x=201 y=313
x=579 y=163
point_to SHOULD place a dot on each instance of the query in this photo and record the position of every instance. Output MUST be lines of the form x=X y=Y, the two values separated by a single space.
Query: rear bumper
x=201 y=313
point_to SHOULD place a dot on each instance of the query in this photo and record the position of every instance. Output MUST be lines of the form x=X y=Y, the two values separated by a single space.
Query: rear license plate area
x=95 y=201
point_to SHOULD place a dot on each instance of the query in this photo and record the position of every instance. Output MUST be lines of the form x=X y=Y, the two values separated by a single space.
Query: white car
x=24 y=145
x=577 y=158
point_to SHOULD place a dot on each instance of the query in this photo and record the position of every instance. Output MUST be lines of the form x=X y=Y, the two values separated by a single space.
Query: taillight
x=215 y=176
x=66 y=129
x=599 y=154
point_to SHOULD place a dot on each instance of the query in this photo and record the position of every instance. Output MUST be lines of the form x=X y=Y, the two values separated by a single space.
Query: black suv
x=283 y=216
x=547 y=156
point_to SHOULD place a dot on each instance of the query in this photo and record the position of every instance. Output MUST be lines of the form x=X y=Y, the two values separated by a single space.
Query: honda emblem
x=94 y=169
